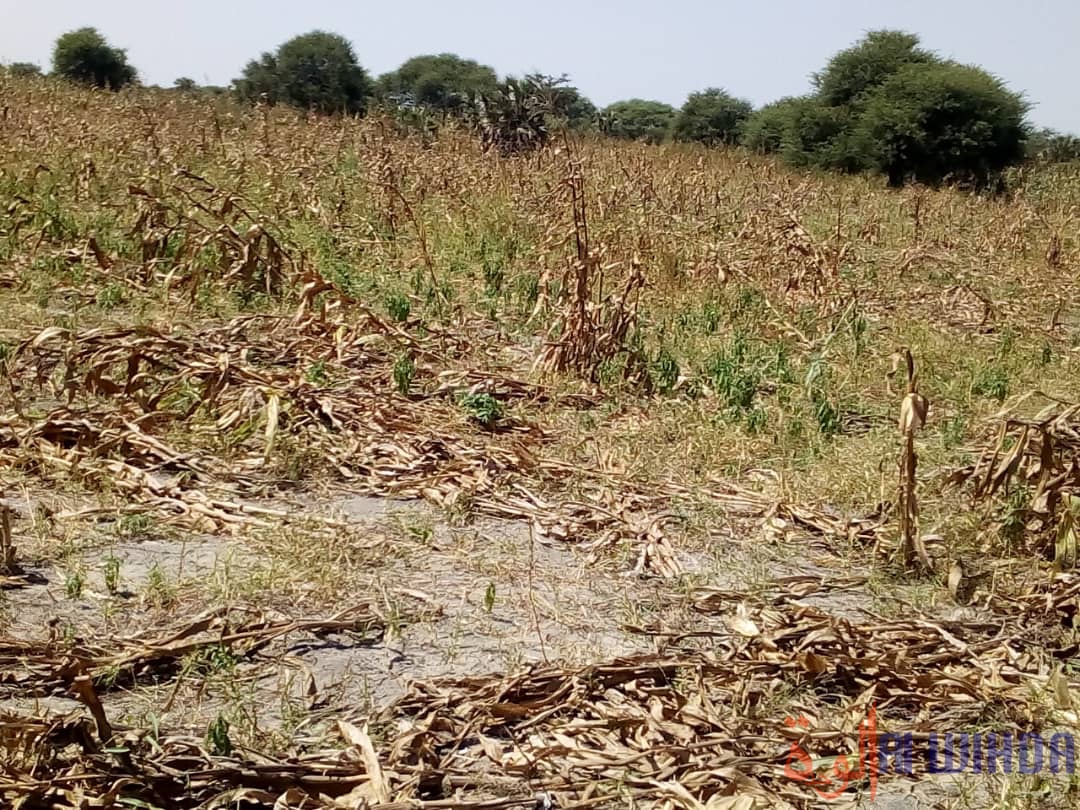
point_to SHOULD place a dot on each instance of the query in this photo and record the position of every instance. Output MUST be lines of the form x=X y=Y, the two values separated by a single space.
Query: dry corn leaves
x=685 y=728
x=1041 y=453
x=40 y=667
x=197 y=426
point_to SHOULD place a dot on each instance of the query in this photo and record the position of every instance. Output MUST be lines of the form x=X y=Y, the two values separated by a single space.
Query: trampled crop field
x=347 y=466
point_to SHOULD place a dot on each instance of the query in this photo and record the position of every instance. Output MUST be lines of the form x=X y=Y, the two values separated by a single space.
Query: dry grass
x=671 y=364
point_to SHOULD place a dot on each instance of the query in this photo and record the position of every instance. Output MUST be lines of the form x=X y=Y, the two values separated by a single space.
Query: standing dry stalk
x=591 y=327
x=7 y=547
x=913 y=411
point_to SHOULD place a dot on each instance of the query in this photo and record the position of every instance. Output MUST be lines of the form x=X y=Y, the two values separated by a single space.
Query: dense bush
x=711 y=117
x=935 y=122
x=84 y=56
x=1048 y=146
x=23 y=69
x=513 y=117
x=565 y=102
x=638 y=119
x=889 y=106
x=441 y=82
x=768 y=129
x=316 y=71
x=853 y=72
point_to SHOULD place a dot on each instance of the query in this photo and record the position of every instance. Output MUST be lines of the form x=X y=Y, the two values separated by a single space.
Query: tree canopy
x=888 y=105
x=444 y=82
x=854 y=71
x=23 y=69
x=638 y=119
x=84 y=56
x=317 y=71
x=711 y=117
x=933 y=122
x=1050 y=146
x=565 y=101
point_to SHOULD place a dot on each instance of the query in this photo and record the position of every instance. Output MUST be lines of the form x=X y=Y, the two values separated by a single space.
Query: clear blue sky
x=612 y=49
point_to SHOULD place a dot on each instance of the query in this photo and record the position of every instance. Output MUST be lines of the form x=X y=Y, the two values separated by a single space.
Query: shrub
x=935 y=122
x=637 y=119
x=23 y=70
x=1048 y=146
x=566 y=103
x=767 y=129
x=317 y=71
x=443 y=82
x=84 y=56
x=513 y=117
x=855 y=71
x=887 y=105
x=711 y=117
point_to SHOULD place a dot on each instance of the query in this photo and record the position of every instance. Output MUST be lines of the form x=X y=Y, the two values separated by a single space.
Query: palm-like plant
x=513 y=117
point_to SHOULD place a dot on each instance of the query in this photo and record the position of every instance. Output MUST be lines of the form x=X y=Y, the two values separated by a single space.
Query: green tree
x=824 y=137
x=712 y=117
x=769 y=128
x=1050 y=146
x=513 y=117
x=23 y=69
x=566 y=102
x=638 y=119
x=444 y=82
x=560 y=102
x=185 y=85
x=886 y=104
x=936 y=122
x=84 y=56
x=853 y=72
x=804 y=132
x=315 y=71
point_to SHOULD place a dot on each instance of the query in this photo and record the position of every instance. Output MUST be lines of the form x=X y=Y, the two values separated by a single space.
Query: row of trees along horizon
x=884 y=105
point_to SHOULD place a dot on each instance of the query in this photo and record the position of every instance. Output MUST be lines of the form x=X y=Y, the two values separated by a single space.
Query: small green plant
x=110 y=296
x=158 y=590
x=711 y=317
x=404 y=369
x=665 y=371
x=734 y=375
x=494 y=276
x=73 y=584
x=211 y=660
x=398 y=306
x=134 y=525
x=859 y=331
x=482 y=408
x=1015 y=518
x=528 y=291
x=1008 y=342
x=826 y=414
x=217 y=737
x=316 y=373
x=112 y=575
x=952 y=434
x=489 y=597
x=992 y=382
x=756 y=418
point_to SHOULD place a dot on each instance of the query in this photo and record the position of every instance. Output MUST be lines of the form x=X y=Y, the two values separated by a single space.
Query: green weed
x=482 y=408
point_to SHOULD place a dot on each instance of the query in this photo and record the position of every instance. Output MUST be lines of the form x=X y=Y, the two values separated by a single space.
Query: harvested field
x=344 y=467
